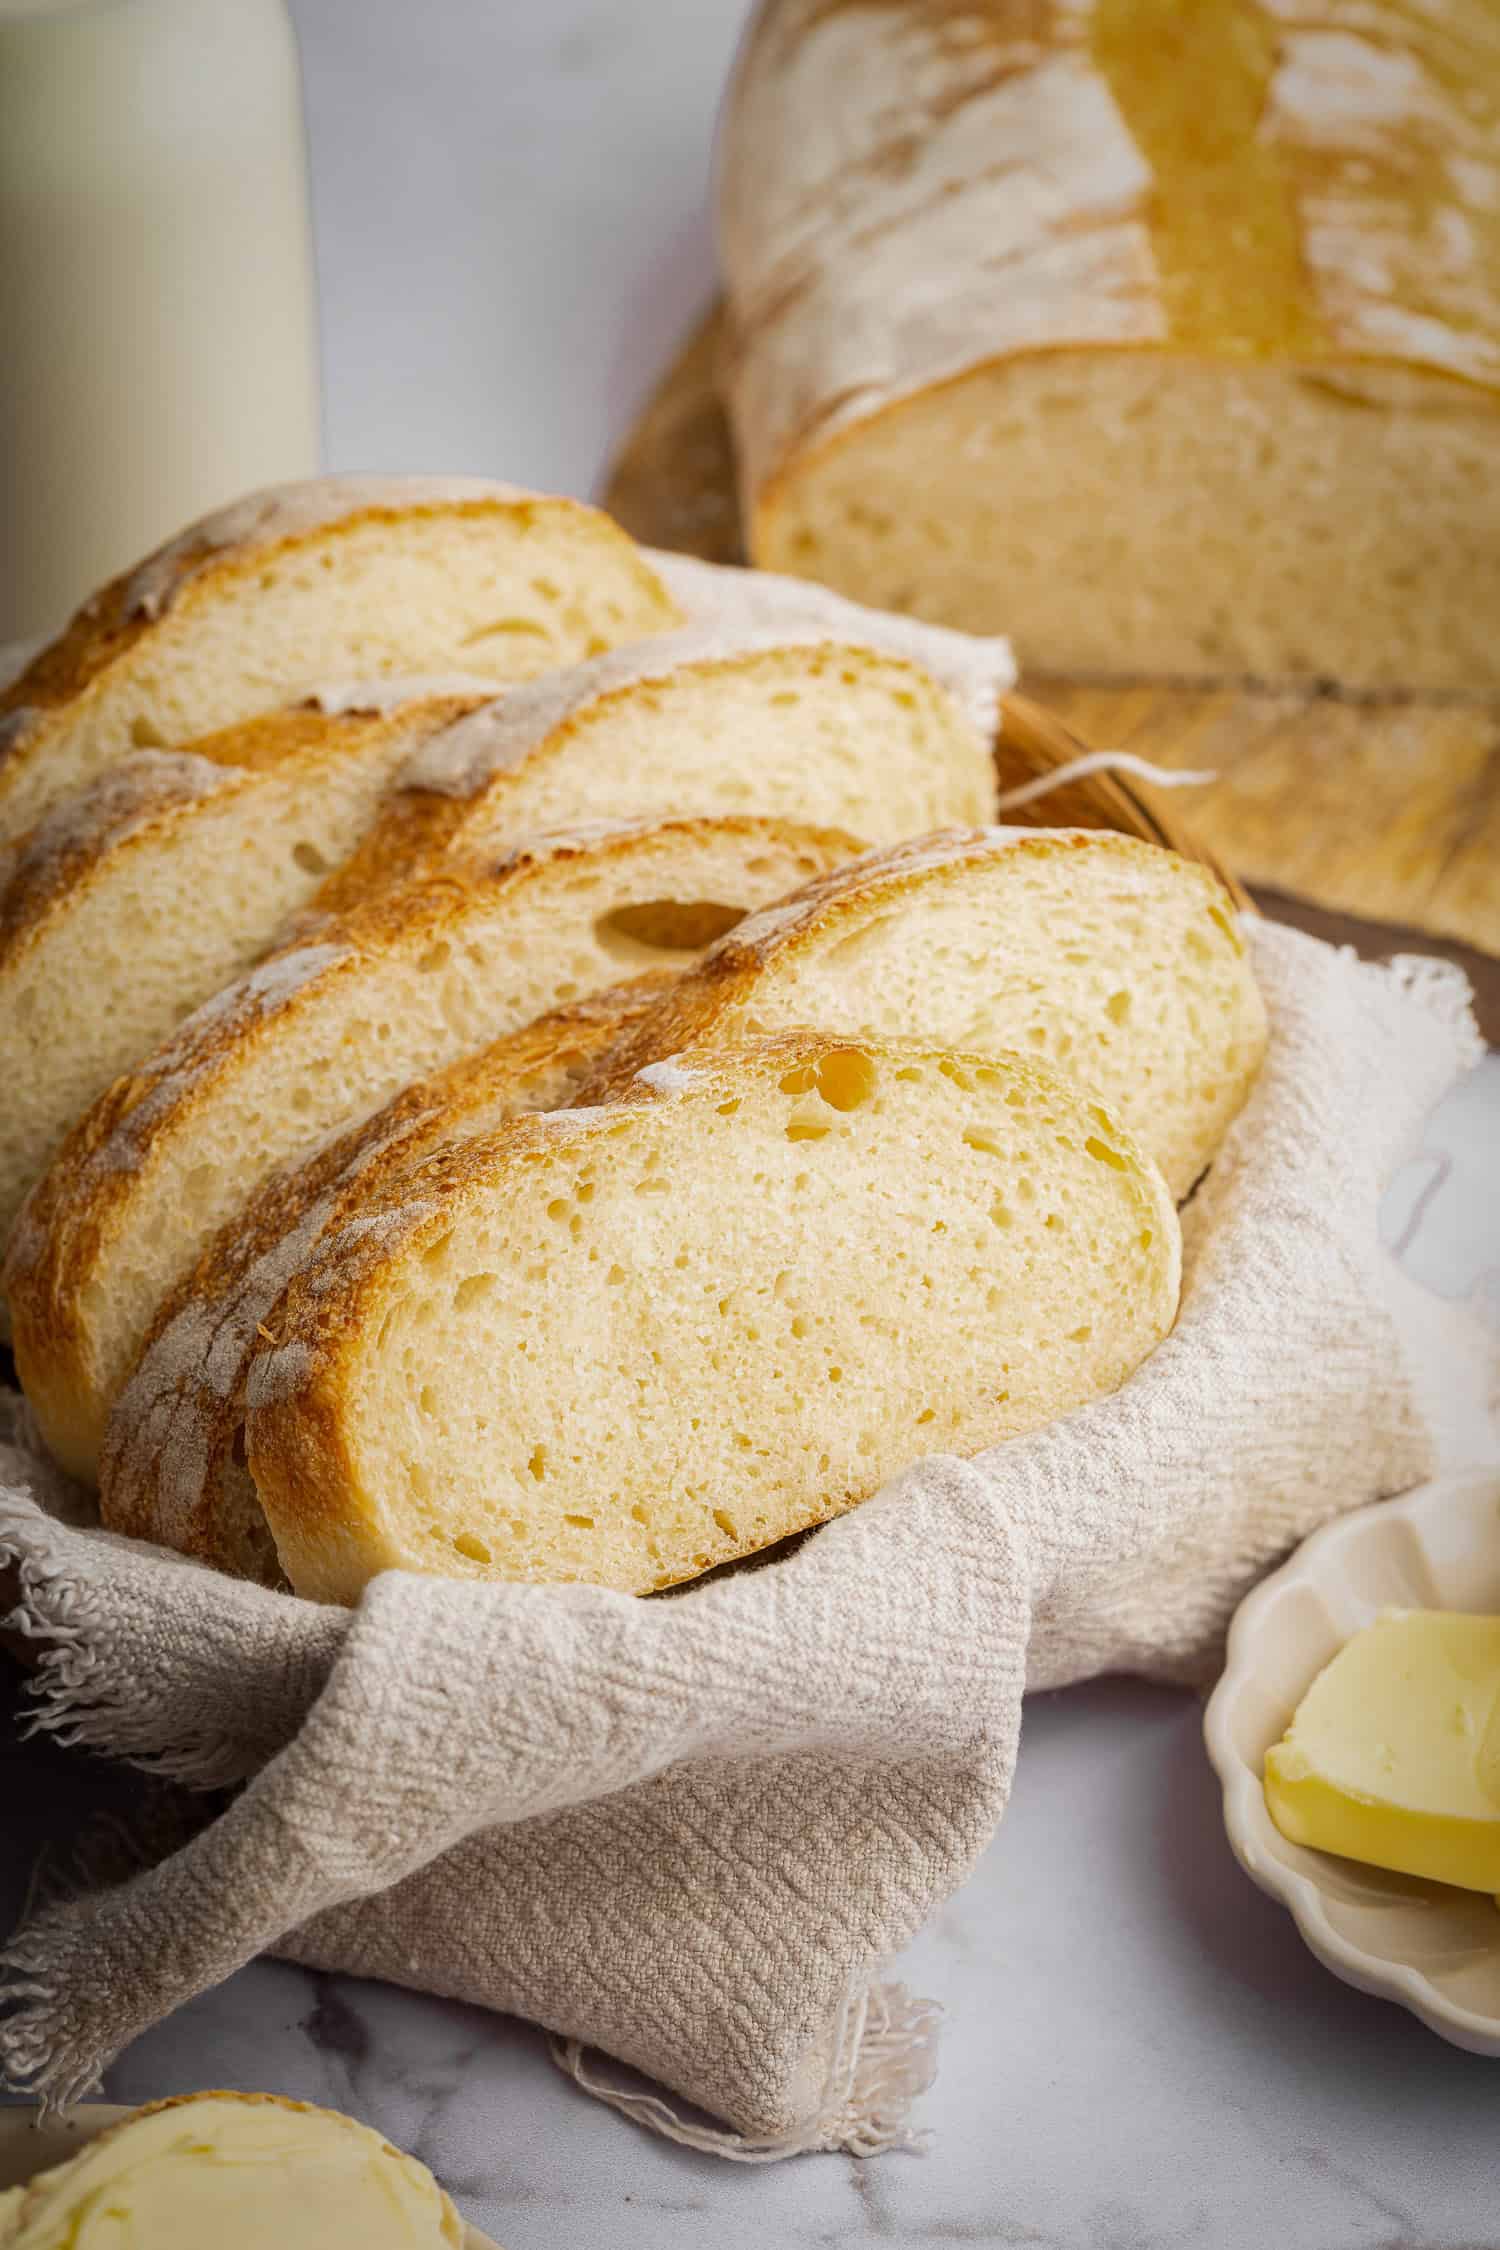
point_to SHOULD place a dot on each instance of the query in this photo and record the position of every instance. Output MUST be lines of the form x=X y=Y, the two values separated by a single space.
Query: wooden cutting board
x=1371 y=820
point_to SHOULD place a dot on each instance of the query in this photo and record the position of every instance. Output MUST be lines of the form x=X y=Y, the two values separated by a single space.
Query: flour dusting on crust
x=288 y=511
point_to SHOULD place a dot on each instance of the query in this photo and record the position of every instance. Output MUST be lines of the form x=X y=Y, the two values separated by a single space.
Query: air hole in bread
x=309 y=859
x=844 y=1079
x=474 y=1290
x=538 y=1462
x=499 y=625
x=145 y=734
x=1102 y=1153
x=670 y=925
x=475 y=1549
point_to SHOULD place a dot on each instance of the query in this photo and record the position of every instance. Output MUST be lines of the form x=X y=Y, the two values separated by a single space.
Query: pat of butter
x=234 y=2171
x=1393 y=1756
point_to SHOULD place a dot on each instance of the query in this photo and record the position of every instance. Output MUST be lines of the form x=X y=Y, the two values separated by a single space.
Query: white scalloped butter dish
x=1434 y=1950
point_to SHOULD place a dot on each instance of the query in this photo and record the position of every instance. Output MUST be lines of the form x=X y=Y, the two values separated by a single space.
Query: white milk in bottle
x=157 y=318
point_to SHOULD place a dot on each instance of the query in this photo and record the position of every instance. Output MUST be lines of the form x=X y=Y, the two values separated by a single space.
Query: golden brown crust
x=49 y=864
x=697 y=1008
x=438 y=895
x=420 y=823
x=1295 y=225
x=176 y=1430
x=277 y=739
x=74 y=1211
x=132 y=801
x=297 y=1426
x=111 y=624
x=414 y=829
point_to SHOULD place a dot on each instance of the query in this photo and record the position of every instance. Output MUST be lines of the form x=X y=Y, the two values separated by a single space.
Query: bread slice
x=136 y=897
x=975 y=668
x=173 y=1467
x=323 y=1031
x=701 y=721
x=237 y=2170
x=622 y=1344
x=1114 y=960
x=339 y=577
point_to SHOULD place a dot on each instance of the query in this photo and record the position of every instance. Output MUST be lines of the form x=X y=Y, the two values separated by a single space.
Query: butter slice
x=234 y=2172
x=1393 y=1756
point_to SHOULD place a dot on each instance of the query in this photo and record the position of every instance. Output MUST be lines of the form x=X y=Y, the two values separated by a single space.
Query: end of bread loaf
x=620 y=1345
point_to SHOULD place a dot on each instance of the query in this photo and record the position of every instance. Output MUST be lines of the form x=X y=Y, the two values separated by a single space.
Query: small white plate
x=1432 y=1949
x=27 y=2147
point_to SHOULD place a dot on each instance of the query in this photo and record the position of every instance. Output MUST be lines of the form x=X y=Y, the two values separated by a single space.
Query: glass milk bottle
x=157 y=317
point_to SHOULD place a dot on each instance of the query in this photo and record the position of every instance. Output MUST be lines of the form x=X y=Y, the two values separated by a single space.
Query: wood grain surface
x=1371 y=820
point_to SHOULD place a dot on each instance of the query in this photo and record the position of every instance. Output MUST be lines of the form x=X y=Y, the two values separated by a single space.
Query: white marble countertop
x=1138 y=2053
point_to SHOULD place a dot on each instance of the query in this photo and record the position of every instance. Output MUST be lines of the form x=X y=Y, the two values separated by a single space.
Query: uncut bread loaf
x=1118 y=962
x=338 y=577
x=320 y=1033
x=173 y=1467
x=622 y=1344
x=701 y=721
x=1169 y=336
x=137 y=896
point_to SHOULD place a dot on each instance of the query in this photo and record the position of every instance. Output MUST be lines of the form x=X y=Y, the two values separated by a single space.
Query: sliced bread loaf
x=342 y=576
x=137 y=896
x=173 y=1467
x=701 y=721
x=1118 y=962
x=1165 y=335
x=623 y=1344
x=321 y=1033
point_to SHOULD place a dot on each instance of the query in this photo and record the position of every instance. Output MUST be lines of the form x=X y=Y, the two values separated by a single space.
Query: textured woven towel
x=691 y=1831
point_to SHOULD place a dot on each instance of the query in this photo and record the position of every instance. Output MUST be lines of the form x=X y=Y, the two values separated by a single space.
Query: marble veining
x=1139 y=2053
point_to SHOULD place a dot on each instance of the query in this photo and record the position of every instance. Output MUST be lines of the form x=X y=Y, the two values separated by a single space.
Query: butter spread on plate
x=1393 y=1756
x=233 y=2171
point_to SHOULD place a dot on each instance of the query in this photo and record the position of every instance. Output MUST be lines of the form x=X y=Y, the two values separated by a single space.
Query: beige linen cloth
x=691 y=1832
